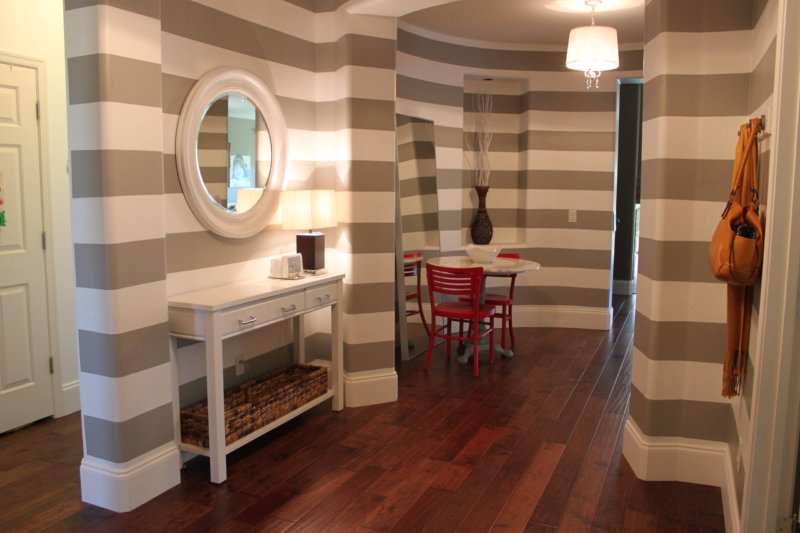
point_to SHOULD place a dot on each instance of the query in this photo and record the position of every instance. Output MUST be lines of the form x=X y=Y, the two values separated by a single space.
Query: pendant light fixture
x=592 y=49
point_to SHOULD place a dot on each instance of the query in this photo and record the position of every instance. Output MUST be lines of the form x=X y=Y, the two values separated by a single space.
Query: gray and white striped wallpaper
x=706 y=71
x=131 y=66
x=553 y=151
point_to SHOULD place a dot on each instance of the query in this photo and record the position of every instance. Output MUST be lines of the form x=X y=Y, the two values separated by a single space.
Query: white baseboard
x=686 y=460
x=562 y=316
x=623 y=287
x=124 y=487
x=72 y=397
x=551 y=316
x=370 y=387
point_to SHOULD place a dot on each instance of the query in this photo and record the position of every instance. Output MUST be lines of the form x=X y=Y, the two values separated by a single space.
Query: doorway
x=26 y=392
x=627 y=184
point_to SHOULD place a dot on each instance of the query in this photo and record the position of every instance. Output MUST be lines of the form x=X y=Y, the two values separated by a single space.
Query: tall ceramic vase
x=481 y=228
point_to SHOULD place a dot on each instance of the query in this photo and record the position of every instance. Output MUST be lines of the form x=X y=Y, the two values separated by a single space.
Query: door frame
x=620 y=81
x=776 y=398
x=59 y=407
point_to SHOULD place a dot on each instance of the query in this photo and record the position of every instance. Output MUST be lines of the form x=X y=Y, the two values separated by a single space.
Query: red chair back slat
x=454 y=281
x=412 y=269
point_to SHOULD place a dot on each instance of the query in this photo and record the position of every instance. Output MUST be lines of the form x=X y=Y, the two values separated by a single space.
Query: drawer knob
x=325 y=298
x=289 y=309
x=246 y=322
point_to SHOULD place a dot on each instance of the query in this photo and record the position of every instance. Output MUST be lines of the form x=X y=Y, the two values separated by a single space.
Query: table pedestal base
x=465 y=352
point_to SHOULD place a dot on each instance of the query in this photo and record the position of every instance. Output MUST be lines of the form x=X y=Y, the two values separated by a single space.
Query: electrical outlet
x=573 y=215
x=241 y=367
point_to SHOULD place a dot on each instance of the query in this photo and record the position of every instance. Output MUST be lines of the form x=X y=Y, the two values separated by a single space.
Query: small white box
x=287 y=266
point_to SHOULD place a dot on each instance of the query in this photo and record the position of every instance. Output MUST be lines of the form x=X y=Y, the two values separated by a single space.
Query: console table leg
x=216 y=399
x=337 y=351
x=299 y=338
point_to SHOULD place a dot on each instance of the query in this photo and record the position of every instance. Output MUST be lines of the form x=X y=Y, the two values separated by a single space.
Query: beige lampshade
x=307 y=210
x=593 y=48
x=246 y=197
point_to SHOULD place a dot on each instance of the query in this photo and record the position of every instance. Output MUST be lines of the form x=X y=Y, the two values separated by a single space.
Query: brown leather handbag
x=736 y=250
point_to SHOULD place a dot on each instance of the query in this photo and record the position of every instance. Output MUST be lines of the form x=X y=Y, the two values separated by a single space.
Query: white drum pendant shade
x=593 y=48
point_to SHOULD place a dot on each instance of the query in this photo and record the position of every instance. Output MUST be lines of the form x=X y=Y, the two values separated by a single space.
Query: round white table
x=499 y=267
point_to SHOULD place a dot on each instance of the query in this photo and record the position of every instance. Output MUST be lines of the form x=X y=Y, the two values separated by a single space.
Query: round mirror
x=231 y=152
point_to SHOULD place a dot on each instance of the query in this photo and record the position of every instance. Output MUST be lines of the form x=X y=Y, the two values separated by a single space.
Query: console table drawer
x=319 y=296
x=254 y=315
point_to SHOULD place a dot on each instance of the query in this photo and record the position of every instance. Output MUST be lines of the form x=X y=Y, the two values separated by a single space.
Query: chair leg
x=475 y=340
x=430 y=343
x=421 y=314
x=449 y=335
x=511 y=324
x=461 y=347
x=503 y=327
x=491 y=345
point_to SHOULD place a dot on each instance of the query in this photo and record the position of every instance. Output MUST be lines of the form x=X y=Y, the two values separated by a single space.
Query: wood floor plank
x=523 y=500
x=585 y=496
x=334 y=503
x=355 y=514
x=457 y=504
x=401 y=489
x=419 y=514
x=637 y=521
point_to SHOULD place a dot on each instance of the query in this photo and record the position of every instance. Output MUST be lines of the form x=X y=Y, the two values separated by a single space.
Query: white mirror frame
x=212 y=215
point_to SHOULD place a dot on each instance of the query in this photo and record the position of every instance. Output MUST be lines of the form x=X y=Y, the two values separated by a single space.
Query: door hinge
x=38 y=111
x=44 y=240
x=51 y=366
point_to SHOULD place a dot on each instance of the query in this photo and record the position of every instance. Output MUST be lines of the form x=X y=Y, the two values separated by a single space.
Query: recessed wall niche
x=507 y=201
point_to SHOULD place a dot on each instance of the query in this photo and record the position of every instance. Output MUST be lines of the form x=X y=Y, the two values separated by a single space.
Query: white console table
x=218 y=313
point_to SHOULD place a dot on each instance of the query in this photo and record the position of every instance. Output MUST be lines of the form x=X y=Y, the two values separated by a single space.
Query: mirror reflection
x=416 y=173
x=234 y=152
x=418 y=219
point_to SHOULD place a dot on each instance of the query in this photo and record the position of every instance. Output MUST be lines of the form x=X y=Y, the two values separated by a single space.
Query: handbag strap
x=745 y=173
x=751 y=169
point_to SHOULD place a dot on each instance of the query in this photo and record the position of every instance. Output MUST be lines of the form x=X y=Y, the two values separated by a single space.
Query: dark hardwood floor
x=533 y=444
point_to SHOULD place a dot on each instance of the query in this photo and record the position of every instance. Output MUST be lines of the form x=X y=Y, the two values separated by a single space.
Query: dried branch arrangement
x=477 y=140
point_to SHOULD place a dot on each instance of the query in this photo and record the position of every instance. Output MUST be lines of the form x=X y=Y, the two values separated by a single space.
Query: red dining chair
x=413 y=268
x=505 y=301
x=464 y=283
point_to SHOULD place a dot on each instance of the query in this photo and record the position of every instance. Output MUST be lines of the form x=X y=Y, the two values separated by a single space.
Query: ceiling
x=525 y=23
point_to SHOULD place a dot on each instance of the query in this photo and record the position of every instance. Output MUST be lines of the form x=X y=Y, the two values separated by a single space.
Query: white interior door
x=26 y=392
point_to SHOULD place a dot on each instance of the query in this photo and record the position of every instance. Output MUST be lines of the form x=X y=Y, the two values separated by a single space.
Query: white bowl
x=482 y=254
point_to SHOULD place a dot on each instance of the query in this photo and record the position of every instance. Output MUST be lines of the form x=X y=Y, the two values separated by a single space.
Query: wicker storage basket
x=254 y=404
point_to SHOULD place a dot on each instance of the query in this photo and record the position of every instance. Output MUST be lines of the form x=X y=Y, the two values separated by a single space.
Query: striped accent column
x=113 y=60
x=360 y=56
x=706 y=71
x=553 y=152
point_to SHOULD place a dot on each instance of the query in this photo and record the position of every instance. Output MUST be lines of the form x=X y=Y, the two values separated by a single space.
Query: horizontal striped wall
x=706 y=71
x=115 y=136
x=553 y=151
x=333 y=75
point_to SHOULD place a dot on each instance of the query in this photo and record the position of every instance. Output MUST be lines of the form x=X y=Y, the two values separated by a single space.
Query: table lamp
x=310 y=210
